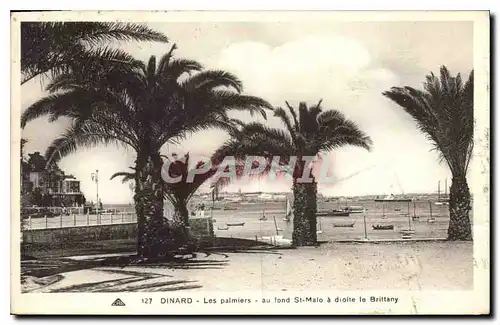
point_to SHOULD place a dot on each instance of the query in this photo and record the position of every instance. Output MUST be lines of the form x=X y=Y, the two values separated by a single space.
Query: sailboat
x=263 y=218
x=445 y=200
x=409 y=231
x=431 y=219
x=439 y=195
x=320 y=228
x=288 y=211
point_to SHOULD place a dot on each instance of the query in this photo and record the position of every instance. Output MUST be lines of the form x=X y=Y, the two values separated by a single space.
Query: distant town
x=252 y=197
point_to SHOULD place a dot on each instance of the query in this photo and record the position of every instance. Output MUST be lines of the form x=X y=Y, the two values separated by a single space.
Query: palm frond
x=210 y=79
x=444 y=113
x=95 y=33
x=285 y=119
x=126 y=177
x=294 y=116
x=88 y=136
x=59 y=47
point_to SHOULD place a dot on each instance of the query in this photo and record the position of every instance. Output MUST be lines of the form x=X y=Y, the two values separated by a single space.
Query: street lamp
x=95 y=178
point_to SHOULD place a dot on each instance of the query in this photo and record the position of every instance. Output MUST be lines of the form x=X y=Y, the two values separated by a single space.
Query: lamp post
x=95 y=178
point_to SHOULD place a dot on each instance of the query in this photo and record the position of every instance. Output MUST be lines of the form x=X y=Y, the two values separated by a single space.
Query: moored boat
x=355 y=209
x=344 y=225
x=233 y=224
x=333 y=213
x=383 y=227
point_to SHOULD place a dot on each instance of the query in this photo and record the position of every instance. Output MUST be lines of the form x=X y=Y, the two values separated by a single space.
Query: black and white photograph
x=250 y=162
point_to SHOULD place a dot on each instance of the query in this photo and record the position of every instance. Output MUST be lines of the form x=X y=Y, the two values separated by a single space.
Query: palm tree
x=56 y=47
x=310 y=133
x=443 y=111
x=141 y=108
x=180 y=192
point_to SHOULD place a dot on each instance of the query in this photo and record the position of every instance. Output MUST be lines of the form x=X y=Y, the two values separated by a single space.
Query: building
x=58 y=189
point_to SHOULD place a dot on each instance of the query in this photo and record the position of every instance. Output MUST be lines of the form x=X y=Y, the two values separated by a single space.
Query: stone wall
x=98 y=239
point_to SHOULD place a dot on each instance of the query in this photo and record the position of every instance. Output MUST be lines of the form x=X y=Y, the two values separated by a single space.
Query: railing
x=81 y=220
x=78 y=220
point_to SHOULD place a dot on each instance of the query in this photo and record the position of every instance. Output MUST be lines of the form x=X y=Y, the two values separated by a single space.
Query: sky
x=347 y=65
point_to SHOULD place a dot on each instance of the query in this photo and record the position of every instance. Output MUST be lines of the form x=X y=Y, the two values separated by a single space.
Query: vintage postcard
x=286 y=163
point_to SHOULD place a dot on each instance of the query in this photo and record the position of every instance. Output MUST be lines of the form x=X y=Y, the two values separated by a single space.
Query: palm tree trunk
x=181 y=215
x=181 y=222
x=304 y=213
x=460 y=226
x=149 y=206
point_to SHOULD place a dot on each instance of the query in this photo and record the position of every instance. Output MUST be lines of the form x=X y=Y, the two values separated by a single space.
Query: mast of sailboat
x=445 y=187
x=364 y=222
x=276 y=225
x=213 y=203
x=409 y=217
x=439 y=191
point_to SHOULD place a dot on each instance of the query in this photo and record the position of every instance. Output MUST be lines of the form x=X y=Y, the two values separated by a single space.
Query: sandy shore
x=340 y=266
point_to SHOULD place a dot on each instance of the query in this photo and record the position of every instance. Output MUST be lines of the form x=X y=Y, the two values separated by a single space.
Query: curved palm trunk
x=304 y=213
x=149 y=206
x=459 y=227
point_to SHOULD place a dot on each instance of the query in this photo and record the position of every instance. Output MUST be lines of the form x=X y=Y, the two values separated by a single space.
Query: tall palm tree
x=142 y=108
x=443 y=111
x=312 y=132
x=56 y=47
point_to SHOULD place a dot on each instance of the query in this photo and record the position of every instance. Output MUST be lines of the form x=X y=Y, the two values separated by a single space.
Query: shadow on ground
x=41 y=274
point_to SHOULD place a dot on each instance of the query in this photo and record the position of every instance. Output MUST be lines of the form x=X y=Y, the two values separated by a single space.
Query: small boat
x=222 y=228
x=343 y=225
x=263 y=216
x=397 y=210
x=234 y=224
x=415 y=218
x=229 y=208
x=277 y=240
x=332 y=213
x=405 y=236
x=384 y=216
x=408 y=231
x=355 y=209
x=431 y=220
x=383 y=227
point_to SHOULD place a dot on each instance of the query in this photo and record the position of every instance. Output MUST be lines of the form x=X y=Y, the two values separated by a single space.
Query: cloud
x=342 y=72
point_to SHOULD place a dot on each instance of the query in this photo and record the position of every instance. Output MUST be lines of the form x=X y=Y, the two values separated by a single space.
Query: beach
x=341 y=266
